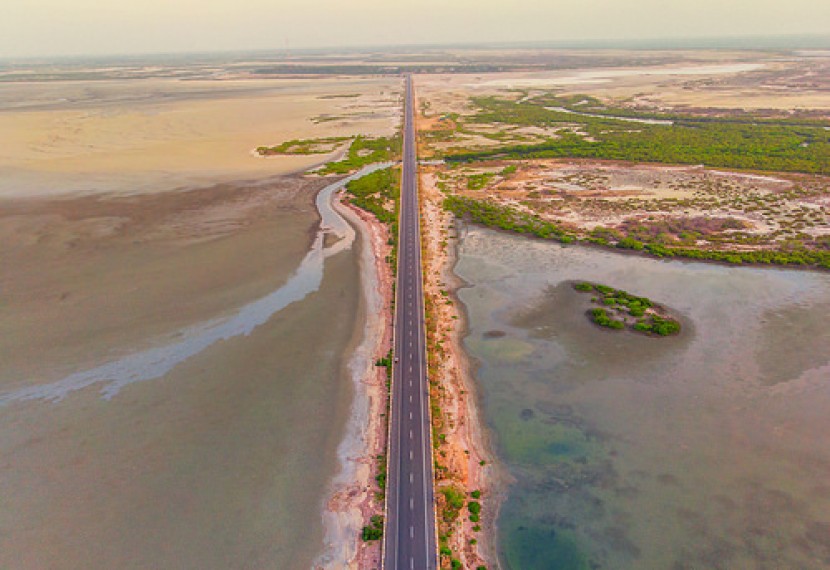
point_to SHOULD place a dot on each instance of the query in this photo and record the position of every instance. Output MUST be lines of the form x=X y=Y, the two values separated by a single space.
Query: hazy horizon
x=53 y=28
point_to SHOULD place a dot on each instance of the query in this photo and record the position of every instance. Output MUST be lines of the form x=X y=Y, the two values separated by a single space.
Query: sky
x=99 y=27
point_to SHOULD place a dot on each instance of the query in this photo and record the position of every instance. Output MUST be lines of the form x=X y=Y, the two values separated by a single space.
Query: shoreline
x=467 y=443
x=352 y=497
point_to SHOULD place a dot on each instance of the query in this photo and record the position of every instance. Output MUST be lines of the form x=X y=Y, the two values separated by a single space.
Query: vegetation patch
x=505 y=217
x=519 y=220
x=303 y=146
x=378 y=193
x=744 y=143
x=364 y=151
x=620 y=310
x=373 y=531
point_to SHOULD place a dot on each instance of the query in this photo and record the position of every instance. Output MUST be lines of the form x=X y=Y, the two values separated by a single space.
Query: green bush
x=454 y=497
x=630 y=243
x=375 y=530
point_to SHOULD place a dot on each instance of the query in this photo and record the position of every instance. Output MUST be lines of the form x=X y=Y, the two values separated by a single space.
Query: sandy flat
x=161 y=134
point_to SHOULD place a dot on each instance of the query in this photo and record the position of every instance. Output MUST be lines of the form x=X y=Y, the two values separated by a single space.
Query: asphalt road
x=409 y=537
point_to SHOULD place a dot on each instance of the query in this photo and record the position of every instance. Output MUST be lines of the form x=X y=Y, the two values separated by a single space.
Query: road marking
x=410 y=477
x=410 y=434
x=411 y=532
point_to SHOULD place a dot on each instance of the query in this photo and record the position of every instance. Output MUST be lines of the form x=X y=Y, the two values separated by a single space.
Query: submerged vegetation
x=743 y=143
x=621 y=310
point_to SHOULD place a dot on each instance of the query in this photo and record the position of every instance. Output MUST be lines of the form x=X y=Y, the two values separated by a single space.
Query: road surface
x=409 y=538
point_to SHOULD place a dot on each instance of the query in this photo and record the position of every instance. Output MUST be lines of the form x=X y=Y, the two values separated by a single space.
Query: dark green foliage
x=504 y=217
x=476 y=494
x=507 y=218
x=479 y=181
x=658 y=326
x=804 y=257
x=375 y=529
x=474 y=507
x=377 y=193
x=381 y=476
x=303 y=146
x=621 y=303
x=365 y=151
x=723 y=142
x=454 y=497
x=603 y=319
x=630 y=243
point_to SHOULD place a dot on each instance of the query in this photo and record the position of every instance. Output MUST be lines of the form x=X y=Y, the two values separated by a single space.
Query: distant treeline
x=588 y=104
x=767 y=144
x=334 y=69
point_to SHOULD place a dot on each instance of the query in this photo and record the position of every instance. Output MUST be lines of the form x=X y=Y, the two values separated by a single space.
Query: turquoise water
x=705 y=450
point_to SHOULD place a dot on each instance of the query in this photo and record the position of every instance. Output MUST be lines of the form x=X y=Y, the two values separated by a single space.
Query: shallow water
x=706 y=450
x=215 y=451
x=156 y=362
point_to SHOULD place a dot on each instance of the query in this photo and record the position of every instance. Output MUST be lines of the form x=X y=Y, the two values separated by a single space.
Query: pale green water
x=708 y=450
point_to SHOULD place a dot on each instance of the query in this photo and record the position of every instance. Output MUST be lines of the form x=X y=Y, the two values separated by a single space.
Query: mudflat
x=95 y=276
x=133 y=215
x=207 y=466
x=158 y=134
